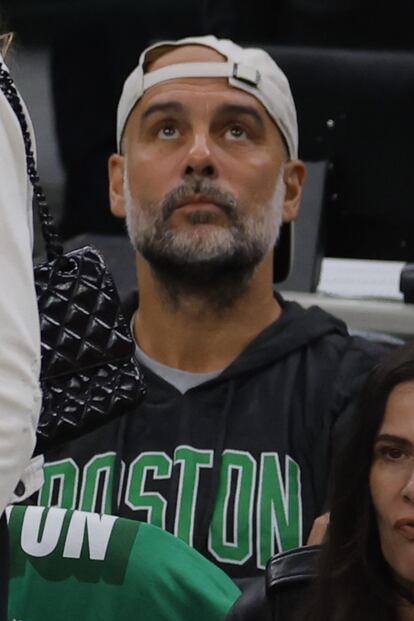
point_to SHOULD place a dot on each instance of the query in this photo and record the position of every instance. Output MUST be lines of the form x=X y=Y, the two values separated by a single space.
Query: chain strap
x=52 y=242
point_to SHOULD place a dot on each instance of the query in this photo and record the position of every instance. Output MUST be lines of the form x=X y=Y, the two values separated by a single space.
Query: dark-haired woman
x=365 y=570
x=19 y=326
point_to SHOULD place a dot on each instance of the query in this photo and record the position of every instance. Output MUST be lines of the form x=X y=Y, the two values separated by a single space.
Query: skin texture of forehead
x=164 y=57
x=401 y=397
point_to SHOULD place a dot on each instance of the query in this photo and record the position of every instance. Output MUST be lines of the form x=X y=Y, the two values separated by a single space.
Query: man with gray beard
x=231 y=449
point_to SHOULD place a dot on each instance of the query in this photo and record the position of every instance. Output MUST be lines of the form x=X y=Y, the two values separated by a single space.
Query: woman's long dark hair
x=355 y=583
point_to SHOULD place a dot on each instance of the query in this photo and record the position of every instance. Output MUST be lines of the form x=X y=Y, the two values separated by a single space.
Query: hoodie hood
x=295 y=329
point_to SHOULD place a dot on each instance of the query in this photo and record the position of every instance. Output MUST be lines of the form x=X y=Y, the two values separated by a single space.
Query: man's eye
x=168 y=132
x=236 y=132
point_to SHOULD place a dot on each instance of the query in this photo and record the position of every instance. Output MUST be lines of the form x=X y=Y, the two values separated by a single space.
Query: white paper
x=356 y=278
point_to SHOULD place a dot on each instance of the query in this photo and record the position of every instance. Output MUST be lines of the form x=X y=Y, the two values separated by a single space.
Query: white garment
x=20 y=397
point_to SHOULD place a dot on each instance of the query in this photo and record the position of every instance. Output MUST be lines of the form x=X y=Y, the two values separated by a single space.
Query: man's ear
x=116 y=164
x=294 y=178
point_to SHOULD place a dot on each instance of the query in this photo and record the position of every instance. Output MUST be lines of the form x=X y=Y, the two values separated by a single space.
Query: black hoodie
x=237 y=466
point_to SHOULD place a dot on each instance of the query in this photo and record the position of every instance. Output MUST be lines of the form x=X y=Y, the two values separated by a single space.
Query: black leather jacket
x=279 y=595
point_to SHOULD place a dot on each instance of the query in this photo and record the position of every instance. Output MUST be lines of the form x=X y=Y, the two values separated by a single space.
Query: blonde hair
x=5 y=42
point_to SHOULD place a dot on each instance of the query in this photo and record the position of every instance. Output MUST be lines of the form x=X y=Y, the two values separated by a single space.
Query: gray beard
x=214 y=264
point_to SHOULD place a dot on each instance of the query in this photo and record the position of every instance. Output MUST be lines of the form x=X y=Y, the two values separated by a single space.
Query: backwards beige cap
x=249 y=69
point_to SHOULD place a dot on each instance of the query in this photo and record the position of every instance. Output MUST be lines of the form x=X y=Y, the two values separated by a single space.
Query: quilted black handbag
x=88 y=371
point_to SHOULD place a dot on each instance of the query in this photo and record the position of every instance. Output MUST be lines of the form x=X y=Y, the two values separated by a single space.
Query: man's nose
x=408 y=489
x=200 y=160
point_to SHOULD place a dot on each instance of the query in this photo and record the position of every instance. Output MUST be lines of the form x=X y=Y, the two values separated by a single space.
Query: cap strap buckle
x=246 y=74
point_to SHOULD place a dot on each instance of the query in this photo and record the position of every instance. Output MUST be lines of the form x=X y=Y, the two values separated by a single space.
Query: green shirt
x=68 y=565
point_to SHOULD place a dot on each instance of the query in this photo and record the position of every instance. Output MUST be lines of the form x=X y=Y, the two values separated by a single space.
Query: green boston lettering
x=159 y=465
x=279 y=507
x=99 y=468
x=237 y=479
x=61 y=479
x=191 y=460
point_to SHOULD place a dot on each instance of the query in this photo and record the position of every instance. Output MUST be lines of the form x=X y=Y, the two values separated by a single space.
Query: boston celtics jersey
x=73 y=565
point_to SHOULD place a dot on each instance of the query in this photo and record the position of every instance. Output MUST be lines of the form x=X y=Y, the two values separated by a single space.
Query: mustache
x=208 y=189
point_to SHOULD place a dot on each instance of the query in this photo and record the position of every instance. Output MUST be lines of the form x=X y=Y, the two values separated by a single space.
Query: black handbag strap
x=53 y=245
